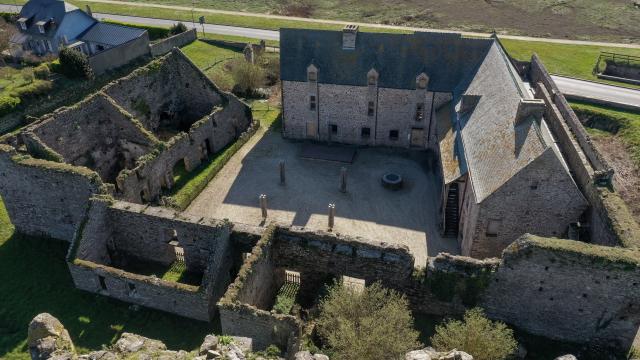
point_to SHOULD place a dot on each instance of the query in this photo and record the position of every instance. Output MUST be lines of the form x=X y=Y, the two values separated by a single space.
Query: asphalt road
x=592 y=90
x=568 y=86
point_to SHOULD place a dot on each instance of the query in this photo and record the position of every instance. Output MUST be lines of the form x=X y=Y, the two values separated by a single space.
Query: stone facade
x=362 y=115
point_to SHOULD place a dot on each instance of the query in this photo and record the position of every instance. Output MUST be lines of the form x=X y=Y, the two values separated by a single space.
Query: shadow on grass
x=34 y=278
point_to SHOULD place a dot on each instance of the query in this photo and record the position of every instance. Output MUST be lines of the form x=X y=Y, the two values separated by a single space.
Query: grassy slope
x=211 y=59
x=34 y=278
x=628 y=121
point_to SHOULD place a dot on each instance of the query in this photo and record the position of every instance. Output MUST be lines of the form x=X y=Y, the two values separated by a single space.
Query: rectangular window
x=312 y=76
x=103 y=284
x=23 y=24
x=419 y=111
x=492 y=227
x=393 y=135
x=372 y=80
x=132 y=289
x=333 y=128
x=312 y=103
x=372 y=108
x=365 y=132
x=41 y=29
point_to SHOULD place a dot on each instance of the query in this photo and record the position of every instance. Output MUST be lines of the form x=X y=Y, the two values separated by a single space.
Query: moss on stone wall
x=595 y=255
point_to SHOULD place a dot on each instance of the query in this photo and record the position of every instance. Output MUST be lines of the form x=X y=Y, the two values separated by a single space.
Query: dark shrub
x=178 y=28
x=74 y=64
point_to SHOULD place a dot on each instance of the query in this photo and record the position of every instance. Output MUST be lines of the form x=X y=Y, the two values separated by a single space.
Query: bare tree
x=7 y=30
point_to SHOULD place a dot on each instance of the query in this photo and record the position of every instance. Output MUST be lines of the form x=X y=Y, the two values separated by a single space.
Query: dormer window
x=312 y=73
x=372 y=77
x=23 y=23
x=422 y=81
x=41 y=25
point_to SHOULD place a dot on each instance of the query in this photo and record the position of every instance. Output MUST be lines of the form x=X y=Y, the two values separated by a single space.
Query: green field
x=575 y=19
x=563 y=59
x=34 y=278
x=212 y=59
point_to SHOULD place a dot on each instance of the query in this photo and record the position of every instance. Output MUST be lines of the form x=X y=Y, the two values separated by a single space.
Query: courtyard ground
x=405 y=217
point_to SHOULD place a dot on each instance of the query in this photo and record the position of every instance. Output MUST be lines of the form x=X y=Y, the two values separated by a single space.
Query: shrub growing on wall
x=178 y=28
x=371 y=324
x=475 y=334
x=74 y=64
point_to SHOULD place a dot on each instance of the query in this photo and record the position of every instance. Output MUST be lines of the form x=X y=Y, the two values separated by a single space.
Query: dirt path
x=380 y=26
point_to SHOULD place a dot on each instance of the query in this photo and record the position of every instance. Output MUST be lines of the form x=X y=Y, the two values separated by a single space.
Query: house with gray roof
x=501 y=170
x=45 y=26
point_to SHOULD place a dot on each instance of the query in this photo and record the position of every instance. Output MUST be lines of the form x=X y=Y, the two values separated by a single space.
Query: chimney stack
x=349 y=34
x=528 y=108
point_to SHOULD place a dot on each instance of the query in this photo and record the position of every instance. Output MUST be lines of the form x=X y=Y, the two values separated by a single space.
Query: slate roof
x=496 y=149
x=483 y=142
x=399 y=58
x=45 y=10
x=110 y=34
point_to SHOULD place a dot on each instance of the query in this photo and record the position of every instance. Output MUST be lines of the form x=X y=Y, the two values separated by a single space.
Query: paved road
x=592 y=90
x=568 y=86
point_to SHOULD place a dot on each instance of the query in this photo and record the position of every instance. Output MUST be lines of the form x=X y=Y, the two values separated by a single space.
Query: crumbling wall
x=185 y=300
x=610 y=222
x=168 y=95
x=45 y=198
x=145 y=232
x=567 y=290
x=114 y=230
x=95 y=133
x=326 y=253
x=244 y=307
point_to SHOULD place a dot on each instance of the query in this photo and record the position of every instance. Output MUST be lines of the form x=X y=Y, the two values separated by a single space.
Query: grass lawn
x=34 y=278
x=562 y=59
x=212 y=59
x=627 y=123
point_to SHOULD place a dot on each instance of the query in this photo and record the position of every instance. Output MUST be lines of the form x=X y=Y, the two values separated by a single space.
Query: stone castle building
x=503 y=174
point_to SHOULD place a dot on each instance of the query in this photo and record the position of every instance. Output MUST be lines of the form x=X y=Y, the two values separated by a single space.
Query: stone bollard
x=263 y=205
x=282 y=177
x=343 y=180
x=332 y=215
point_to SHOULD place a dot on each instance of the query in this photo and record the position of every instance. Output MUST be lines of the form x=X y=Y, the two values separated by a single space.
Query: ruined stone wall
x=325 y=253
x=95 y=133
x=168 y=90
x=244 y=309
x=610 y=222
x=541 y=199
x=184 y=300
x=347 y=107
x=45 y=198
x=567 y=290
x=145 y=232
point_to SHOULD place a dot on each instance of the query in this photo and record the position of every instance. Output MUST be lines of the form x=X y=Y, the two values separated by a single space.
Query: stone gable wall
x=541 y=199
x=45 y=198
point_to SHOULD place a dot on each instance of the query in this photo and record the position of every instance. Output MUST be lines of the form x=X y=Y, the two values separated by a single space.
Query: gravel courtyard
x=408 y=216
